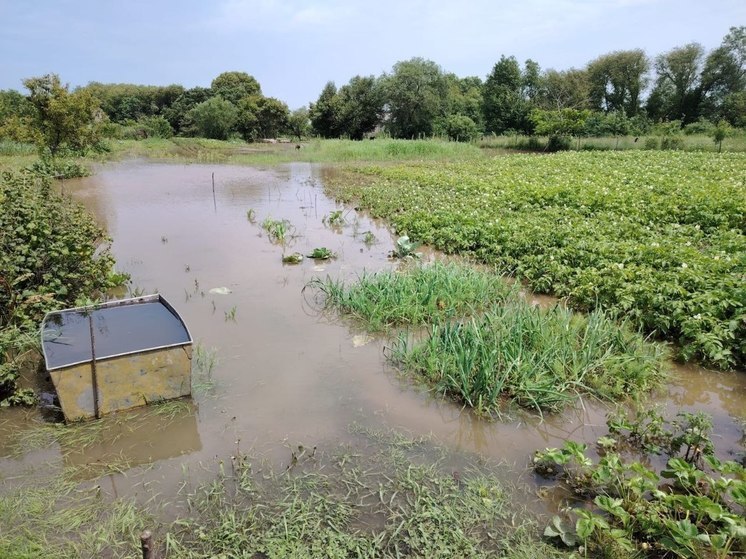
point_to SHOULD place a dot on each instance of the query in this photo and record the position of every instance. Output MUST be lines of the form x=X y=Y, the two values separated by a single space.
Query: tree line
x=617 y=93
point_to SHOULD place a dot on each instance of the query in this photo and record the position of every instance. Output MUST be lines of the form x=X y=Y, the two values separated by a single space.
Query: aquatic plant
x=321 y=253
x=334 y=219
x=277 y=229
x=404 y=248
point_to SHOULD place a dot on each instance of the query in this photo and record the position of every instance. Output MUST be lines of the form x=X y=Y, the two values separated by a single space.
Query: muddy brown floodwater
x=285 y=373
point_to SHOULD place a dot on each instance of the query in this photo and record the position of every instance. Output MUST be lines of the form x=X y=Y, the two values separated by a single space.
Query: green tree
x=214 y=118
x=724 y=75
x=16 y=117
x=299 y=123
x=416 y=93
x=247 y=118
x=178 y=113
x=234 y=86
x=63 y=120
x=273 y=117
x=617 y=80
x=464 y=98
x=504 y=105
x=461 y=128
x=720 y=132
x=677 y=93
x=326 y=113
x=569 y=89
x=361 y=106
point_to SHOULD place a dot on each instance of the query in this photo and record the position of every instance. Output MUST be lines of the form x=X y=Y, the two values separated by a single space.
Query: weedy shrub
x=58 y=168
x=50 y=257
x=692 y=507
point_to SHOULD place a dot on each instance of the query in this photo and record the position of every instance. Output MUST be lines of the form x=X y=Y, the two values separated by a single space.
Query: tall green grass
x=415 y=296
x=537 y=358
x=509 y=350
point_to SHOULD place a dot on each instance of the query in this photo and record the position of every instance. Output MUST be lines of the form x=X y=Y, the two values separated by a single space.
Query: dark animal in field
x=637 y=139
x=297 y=146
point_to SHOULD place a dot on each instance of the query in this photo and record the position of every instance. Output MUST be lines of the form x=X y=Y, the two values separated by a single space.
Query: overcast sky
x=293 y=47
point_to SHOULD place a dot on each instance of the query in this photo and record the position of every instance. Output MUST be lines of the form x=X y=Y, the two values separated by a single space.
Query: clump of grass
x=334 y=219
x=538 y=358
x=416 y=296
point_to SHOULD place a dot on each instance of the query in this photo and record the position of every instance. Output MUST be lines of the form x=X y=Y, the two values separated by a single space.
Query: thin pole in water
x=214 y=202
x=94 y=376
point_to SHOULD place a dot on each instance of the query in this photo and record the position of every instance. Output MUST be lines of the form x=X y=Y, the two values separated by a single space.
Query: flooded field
x=284 y=374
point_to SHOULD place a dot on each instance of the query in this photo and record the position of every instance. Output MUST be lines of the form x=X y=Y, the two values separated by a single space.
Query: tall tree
x=234 y=86
x=299 y=123
x=617 y=80
x=724 y=75
x=677 y=93
x=416 y=92
x=325 y=113
x=568 y=89
x=361 y=106
x=63 y=119
x=504 y=105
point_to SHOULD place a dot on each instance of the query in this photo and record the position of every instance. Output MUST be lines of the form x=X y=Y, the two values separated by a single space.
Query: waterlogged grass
x=58 y=518
x=399 y=497
x=537 y=358
x=415 y=296
x=659 y=237
x=398 y=501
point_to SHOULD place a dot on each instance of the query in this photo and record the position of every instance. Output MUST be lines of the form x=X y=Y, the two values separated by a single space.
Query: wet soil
x=286 y=373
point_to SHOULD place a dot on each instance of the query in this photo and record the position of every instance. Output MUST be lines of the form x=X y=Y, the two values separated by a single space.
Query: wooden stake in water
x=146 y=543
x=214 y=202
x=94 y=376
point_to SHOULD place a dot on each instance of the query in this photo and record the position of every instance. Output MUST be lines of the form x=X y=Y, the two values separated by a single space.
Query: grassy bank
x=658 y=237
x=313 y=151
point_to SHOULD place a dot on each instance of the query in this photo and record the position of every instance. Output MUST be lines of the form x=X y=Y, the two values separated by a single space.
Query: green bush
x=461 y=128
x=558 y=143
x=651 y=142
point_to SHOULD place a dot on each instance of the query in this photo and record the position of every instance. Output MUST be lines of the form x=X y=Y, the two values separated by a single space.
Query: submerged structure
x=117 y=355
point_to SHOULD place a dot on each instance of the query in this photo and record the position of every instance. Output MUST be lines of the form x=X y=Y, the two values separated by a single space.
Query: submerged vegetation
x=401 y=497
x=656 y=237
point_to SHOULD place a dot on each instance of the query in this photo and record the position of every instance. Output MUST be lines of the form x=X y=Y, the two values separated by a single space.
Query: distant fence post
x=146 y=542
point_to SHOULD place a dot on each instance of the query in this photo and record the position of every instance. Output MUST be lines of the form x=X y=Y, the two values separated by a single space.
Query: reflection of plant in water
x=321 y=253
x=692 y=507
